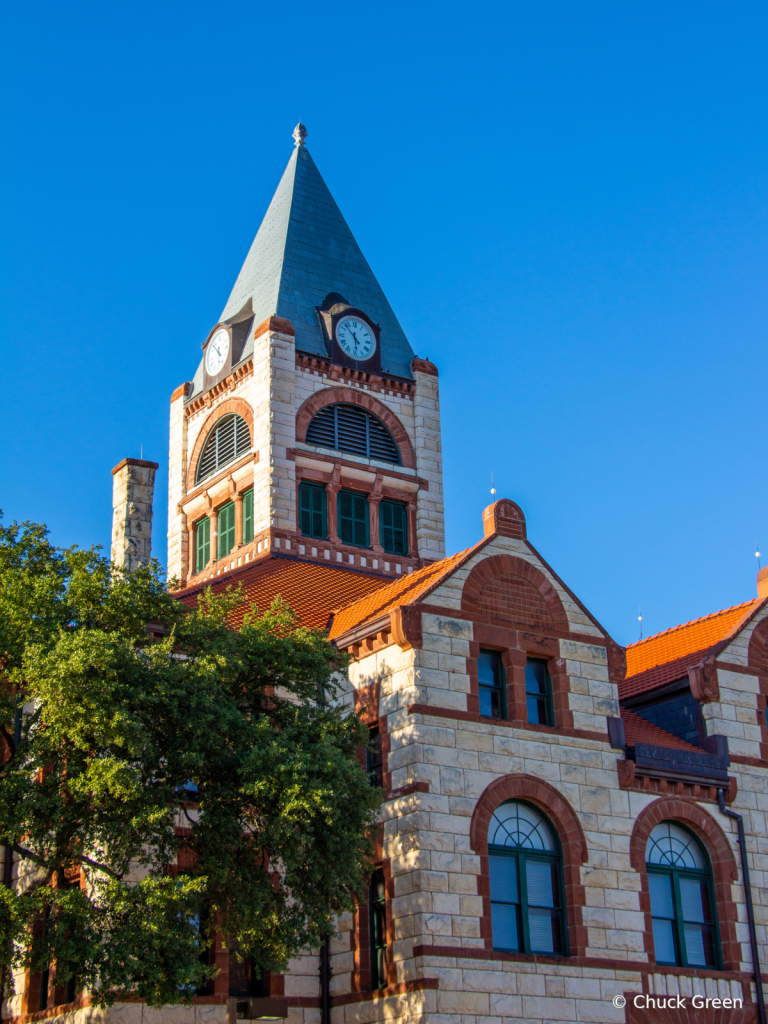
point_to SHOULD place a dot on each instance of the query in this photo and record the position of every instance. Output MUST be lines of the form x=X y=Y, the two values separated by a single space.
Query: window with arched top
x=229 y=439
x=526 y=875
x=347 y=428
x=682 y=898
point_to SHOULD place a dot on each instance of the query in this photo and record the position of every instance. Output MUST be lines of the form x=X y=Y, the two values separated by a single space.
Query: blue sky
x=565 y=204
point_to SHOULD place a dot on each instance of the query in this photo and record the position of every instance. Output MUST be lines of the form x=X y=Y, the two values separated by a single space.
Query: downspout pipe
x=325 y=981
x=750 y=909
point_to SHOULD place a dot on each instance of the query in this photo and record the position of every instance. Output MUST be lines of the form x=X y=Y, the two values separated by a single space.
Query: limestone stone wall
x=737 y=713
x=133 y=485
x=430 y=514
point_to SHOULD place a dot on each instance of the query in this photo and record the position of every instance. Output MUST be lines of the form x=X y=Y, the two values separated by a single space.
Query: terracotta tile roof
x=639 y=731
x=662 y=658
x=402 y=591
x=310 y=588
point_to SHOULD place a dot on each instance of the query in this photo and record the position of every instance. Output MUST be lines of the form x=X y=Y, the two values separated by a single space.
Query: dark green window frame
x=312 y=510
x=202 y=543
x=374 y=758
x=393 y=527
x=353 y=522
x=377 y=917
x=491 y=686
x=248 y=516
x=519 y=898
x=683 y=909
x=538 y=692
x=226 y=529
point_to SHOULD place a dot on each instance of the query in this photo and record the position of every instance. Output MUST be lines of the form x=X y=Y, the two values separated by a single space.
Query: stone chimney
x=132 y=488
x=762 y=583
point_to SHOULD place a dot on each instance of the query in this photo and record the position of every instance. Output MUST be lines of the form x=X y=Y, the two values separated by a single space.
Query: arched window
x=228 y=440
x=526 y=882
x=682 y=898
x=346 y=428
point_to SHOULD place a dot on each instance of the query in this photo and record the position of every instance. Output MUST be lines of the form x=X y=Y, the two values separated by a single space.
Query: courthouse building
x=561 y=815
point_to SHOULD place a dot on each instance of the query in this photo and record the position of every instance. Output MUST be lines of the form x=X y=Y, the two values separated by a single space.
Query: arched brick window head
x=650 y=853
x=505 y=588
x=365 y=401
x=548 y=823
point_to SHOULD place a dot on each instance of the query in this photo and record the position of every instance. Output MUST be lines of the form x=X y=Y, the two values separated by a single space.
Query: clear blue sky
x=564 y=202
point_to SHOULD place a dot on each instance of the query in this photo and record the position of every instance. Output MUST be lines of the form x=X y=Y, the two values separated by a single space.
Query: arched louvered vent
x=346 y=428
x=228 y=440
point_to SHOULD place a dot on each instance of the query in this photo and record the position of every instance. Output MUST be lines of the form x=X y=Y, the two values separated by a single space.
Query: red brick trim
x=142 y=463
x=721 y=857
x=278 y=324
x=231 y=405
x=758 y=665
x=182 y=389
x=350 y=396
x=423 y=366
x=488 y=571
x=572 y=841
x=473 y=716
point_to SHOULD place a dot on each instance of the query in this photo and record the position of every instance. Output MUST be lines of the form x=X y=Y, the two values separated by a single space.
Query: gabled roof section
x=310 y=588
x=662 y=658
x=402 y=592
x=304 y=250
x=637 y=730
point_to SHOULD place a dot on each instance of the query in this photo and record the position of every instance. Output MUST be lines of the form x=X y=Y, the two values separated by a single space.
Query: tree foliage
x=204 y=779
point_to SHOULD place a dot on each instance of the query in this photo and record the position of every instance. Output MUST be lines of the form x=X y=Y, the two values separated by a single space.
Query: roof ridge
x=691 y=622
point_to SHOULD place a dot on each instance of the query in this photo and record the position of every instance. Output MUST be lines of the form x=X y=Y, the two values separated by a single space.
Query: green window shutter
x=202 y=544
x=393 y=527
x=248 y=516
x=312 y=510
x=353 y=518
x=226 y=529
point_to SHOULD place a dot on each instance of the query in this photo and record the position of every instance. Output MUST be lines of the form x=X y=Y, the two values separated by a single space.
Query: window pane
x=490 y=702
x=535 y=676
x=375 y=758
x=662 y=902
x=503 y=871
x=693 y=894
x=504 y=925
x=664 y=941
x=542 y=883
x=671 y=845
x=538 y=692
x=489 y=668
x=699 y=948
x=544 y=930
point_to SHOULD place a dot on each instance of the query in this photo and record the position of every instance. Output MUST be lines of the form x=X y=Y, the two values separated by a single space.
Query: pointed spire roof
x=304 y=250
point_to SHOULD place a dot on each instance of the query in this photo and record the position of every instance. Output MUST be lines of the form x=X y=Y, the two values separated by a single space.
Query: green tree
x=203 y=779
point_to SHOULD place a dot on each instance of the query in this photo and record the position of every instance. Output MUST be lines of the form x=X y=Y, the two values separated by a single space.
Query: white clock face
x=355 y=338
x=216 y=356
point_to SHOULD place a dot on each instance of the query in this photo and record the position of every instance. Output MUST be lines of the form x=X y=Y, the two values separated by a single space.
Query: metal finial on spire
x=299 y=134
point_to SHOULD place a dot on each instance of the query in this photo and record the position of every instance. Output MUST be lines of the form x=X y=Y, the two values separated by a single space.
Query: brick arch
x=231 y=405
x=508 y=588
x=758 y=648
x=721 y=857
x=569 y=831
x=350 y=396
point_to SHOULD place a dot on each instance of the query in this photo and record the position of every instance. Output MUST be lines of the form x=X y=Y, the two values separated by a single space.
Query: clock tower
x=310 y=429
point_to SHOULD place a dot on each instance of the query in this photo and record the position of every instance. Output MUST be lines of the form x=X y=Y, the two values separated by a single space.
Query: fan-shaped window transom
x=228 y=440
x=347 y=428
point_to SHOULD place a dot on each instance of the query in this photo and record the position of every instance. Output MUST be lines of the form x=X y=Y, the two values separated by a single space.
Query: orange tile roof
x=403 y=591
x=310 y=588
x=637 y=730
x=662 y=658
